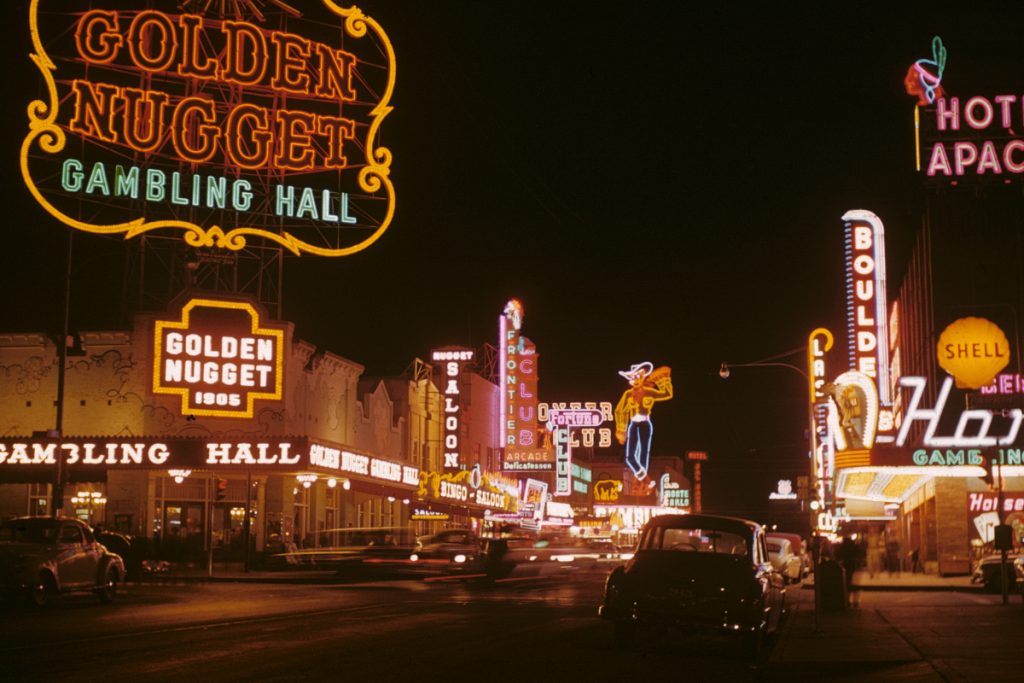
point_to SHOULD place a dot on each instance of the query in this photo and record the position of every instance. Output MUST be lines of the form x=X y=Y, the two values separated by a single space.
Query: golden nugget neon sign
x=218 y=358
x=183 y=112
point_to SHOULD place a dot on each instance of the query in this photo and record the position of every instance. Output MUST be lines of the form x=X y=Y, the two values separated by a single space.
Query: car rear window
x=694 y=540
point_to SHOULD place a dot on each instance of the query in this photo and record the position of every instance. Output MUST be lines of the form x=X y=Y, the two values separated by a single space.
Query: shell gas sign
x=973 y=351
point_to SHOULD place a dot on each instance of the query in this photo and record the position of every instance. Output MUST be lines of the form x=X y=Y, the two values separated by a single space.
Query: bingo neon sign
x=224 y=129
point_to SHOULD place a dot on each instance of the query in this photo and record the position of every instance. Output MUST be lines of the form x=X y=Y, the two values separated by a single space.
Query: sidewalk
x=235 y=572
x=846 y=636
x=946 y=639
x=906 y=581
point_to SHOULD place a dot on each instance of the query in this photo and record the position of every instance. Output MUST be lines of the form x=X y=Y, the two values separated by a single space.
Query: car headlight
x=414 y=557
x=459 y=559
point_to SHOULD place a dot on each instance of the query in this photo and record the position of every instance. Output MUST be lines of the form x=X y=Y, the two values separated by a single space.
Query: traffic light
x=221 y=486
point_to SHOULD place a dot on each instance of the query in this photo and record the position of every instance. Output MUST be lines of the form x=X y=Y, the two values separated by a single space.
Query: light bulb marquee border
x=45 y=133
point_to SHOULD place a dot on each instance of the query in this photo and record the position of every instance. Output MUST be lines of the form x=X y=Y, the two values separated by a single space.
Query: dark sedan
x=697 y=573
x=452 y=551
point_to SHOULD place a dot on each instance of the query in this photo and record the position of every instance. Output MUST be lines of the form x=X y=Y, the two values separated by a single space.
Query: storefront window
x=39 y=499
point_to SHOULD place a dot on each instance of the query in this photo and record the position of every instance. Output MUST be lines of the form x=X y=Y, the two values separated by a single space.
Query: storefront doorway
x=182 y=525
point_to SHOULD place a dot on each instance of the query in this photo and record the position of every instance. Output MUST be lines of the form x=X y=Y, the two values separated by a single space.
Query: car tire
x=752 y=645
x=625 y=634
x=108 y=591
x=43 y=589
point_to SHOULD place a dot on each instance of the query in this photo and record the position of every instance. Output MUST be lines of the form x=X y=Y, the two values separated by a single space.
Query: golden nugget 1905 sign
x=224 y=123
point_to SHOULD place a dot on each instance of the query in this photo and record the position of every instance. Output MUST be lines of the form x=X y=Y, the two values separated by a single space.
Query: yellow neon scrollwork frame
x=373 y=177
x=183 y=324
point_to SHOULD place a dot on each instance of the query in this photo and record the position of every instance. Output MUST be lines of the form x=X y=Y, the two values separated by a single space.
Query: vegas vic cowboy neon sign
x=633 y=426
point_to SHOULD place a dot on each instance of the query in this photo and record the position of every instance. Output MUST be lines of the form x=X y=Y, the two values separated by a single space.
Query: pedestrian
x=915 y=560
x=849 y=557
x=892 y=557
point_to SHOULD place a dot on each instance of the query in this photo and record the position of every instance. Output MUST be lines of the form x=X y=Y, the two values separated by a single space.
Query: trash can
x=831 y=581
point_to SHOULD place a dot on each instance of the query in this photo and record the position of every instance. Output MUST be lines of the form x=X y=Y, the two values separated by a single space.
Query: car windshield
x=694 y=540
x=29 y=531
x=774 y=548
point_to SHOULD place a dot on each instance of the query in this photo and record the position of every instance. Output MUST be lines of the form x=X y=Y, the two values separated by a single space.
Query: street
x=436 y=631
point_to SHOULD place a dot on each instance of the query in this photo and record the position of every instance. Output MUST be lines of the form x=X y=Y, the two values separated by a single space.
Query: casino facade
x=174 y=430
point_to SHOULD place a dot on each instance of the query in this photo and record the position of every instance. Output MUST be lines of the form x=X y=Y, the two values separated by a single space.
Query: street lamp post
x=815 y=372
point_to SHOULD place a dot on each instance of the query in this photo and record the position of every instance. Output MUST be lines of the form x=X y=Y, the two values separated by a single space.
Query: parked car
x=785 y=561
x=43 y=556
x=452 y=551
x=798 y=546
x=988 y=573
x=137 y=552
x=697 y=573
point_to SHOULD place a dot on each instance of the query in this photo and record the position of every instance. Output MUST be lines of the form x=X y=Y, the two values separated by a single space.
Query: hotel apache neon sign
x=972 y=136
x=991 y=148
x=218 y=359
x=176 y=121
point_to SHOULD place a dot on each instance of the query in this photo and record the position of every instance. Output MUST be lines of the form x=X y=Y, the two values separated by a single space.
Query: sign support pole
x=62 y=360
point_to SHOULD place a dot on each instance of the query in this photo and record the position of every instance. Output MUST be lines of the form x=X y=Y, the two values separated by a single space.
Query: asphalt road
x=414 y=631
x=388 y=631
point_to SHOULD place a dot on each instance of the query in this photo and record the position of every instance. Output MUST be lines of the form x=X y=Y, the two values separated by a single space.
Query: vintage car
x=797 y=545
x=354 y=552
x=43 y=556
x=697 y=573
x=785 y=561
x=451 y=551
x=988 y=572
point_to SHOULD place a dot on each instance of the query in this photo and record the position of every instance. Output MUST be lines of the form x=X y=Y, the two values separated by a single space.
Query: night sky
x=652 y=181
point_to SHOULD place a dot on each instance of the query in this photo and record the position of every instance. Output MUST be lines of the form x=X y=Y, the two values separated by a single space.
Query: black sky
x=655 y=181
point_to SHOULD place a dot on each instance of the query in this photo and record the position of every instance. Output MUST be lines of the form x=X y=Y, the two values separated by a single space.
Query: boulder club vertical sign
x=218 y=358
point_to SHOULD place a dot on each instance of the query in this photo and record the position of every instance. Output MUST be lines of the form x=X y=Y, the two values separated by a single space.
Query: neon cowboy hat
x=637 y=371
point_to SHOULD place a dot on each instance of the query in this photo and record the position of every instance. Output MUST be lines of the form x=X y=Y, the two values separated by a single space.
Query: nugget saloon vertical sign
x=218 y=358
x=221 y=122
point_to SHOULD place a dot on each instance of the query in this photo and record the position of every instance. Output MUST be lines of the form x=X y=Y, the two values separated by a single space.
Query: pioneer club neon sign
x=216 y=127
x=217 y=358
